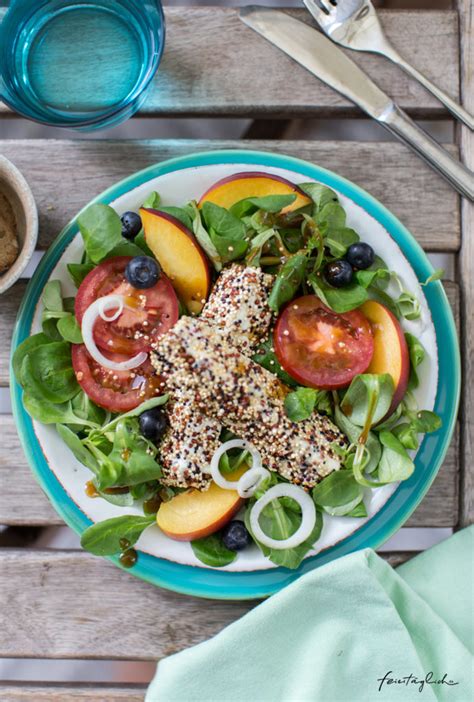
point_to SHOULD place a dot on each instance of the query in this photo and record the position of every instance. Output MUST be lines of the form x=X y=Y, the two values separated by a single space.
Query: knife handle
x=396 y=121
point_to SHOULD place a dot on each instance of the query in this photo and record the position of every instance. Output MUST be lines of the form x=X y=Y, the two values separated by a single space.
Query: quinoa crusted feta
x=188 y=444
x=237 y=308
x=247 y=399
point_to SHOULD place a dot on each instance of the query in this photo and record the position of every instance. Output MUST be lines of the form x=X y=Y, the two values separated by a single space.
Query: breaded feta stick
x=247 y=399
x=238 y=306
x=238 y=309
x=189 y=443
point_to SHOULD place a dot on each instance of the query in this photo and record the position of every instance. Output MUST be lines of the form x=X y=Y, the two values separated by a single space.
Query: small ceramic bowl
x=15 y=188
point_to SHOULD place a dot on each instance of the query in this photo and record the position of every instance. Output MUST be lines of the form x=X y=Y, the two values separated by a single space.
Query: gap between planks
x=66 y=175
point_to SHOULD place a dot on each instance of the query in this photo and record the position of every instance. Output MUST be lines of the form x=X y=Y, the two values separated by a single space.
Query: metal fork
x=354 y=24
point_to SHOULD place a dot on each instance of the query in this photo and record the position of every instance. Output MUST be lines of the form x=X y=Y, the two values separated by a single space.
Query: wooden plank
x=47 y=692
x=466 y=270
x=214 y=65
x=22 y=502
x=65 y=175
x=70 y=604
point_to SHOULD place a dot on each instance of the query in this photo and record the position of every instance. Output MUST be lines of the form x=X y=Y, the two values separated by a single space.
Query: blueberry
x=152 y=424
x=235 y=535
x=338 y=273
x=131 y=225
x=360 y=255
x=142 y=272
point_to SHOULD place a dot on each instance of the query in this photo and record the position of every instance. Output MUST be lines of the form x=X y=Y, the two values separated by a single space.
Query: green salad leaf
x=28 y=346
x=51 y=413
x=52 y=298
x=358 y=511
x=101 y=230
x=438 y=274
x=338 y=299
x=211 y=551
x=395 y=463
x=301 y=403
x=368 y=396
x=70 y=329
x=268 y=203
x=180 y=214
x=53 y=309
x=266 y=357
x=78 y=449
x=339 y=240
x=152 y=201
x=279 y=520
x=338 y=494
x=103 y=538
x=203 y=238
x=223 y=222
x=408 y=306
x=85 y=408
x=417 y=355
x=227 y=248
x=125 y=248
x=48 y=373
x=288 y=280
x=406 y=434
x=78 y=271
x=320 y=194
x=256 y=246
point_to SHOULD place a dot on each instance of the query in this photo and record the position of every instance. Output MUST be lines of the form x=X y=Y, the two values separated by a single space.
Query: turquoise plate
x=203 y=582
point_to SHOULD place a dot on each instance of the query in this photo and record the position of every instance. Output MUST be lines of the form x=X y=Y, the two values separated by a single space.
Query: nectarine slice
x=227 y=191
x=179 y=255
x=390 y=348
x=195 y=514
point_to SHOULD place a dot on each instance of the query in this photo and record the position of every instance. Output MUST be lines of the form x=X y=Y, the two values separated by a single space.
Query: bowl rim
x=11 y=175
x=215 y=584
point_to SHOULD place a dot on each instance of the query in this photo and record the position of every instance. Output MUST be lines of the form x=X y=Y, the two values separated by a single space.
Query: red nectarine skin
x=390 y=348
x=180 y=256
x=227 y=191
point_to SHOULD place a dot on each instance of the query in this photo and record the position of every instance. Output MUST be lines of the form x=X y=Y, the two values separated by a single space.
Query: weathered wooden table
x=58 y=604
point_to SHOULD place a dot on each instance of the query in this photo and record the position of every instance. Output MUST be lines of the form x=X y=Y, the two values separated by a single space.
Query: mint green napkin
x=353 y=630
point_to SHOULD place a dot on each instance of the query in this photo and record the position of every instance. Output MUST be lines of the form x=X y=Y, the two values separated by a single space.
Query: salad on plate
x=237 y=367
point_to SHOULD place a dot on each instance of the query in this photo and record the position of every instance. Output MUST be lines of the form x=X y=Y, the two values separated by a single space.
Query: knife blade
x=315 y=52
x=319 y=55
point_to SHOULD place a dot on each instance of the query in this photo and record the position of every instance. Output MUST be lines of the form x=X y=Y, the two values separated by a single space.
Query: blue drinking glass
x=83 y=65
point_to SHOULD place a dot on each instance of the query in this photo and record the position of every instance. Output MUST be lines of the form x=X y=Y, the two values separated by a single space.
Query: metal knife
x=326 y=61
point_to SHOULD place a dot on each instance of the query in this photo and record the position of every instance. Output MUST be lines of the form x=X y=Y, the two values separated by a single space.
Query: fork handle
x=450 y=168
x=457 y=110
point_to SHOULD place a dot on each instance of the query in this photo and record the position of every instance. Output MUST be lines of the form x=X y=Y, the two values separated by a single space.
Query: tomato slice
x=319 y=348
x=155 y=310
x=116 y=391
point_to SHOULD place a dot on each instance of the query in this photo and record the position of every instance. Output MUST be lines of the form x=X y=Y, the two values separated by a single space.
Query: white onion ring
x=308 y=516
x=98 y=309
x=118 y=311
x=251 y=480
x=223 y=448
